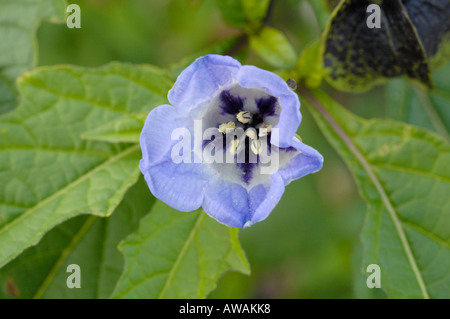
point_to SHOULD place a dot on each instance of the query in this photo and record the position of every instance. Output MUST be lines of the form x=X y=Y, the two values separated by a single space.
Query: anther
x=264 y=130
x=227 y=127
x=256 y=146
x=244 y=117
x=250 y=133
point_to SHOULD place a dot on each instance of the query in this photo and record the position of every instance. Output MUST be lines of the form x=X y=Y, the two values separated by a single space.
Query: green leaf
x=309 y=66
x=356 y=57
x=19 y=21
x=88 y=241
x=245 y=14
x=178 y=255
x=429 y=109
x=48 y=173
x=360 y=276
x=402 y=172
x=273 y=46
x=126 y=129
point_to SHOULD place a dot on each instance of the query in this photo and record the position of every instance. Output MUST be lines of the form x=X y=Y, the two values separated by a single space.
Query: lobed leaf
x=126 y=129
x=178 y=255
x=88 y=241
x=48 y=173
x=402 y=172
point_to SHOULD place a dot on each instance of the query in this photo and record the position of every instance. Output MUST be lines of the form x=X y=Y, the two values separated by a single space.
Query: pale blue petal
x=155 y=139
x=201 y=80
x=226 y=202
x=308 y=161
x=233 y=205
x=178 y=185
x=290 y=117
x=264 y=198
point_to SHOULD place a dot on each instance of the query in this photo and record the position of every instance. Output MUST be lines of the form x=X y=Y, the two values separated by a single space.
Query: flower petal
x=235 y=206
x=264 y=198
x=178 y=185
x=200 y=81
x=226 y=202
x=308 y=161
x=219 y=187
x=290 y=117
x=155 y=139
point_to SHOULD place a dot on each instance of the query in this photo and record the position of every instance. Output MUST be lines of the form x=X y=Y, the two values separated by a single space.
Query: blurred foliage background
x=309 y=245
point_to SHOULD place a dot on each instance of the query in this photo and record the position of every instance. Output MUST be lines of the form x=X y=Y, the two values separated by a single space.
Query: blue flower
x=252 y=117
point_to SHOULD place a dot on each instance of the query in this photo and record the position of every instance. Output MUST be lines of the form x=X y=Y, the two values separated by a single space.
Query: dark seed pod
x=411 y=40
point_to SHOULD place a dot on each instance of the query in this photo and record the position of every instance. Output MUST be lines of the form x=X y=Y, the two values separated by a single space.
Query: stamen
x=234 y=146
x=227 y=127
x=256 y=146
x=244 y=117
x=250 y=133
x=264 y=130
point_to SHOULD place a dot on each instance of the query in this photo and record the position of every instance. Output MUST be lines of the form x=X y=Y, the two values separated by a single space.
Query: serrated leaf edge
x=376 y=182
